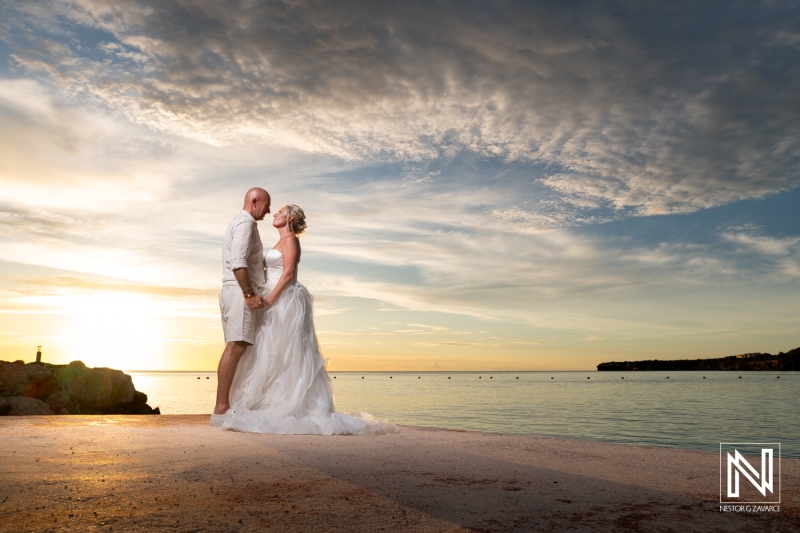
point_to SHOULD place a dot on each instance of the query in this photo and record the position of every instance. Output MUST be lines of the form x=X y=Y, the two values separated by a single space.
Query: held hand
x=265 y=303
x=256 y=302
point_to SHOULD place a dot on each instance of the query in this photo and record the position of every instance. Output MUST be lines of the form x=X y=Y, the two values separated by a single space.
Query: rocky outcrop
x=68 y=389
x=96 y=389
x=5 y=407
x=24 y=406
x=32 y=381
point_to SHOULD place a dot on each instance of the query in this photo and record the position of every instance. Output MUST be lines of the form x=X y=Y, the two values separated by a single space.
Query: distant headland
x=749 y=361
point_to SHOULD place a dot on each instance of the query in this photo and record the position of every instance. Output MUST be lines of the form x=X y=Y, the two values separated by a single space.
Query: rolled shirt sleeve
x=243 y=249
x=241 y=239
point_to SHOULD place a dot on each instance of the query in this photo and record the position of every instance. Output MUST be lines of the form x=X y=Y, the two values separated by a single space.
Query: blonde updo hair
x=298 y=223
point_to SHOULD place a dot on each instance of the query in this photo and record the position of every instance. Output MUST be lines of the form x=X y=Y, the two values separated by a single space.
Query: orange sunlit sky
x=487 y=185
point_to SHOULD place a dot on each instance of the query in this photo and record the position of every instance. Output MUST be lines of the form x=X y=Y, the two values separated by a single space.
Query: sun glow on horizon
x=115 y=330
x=585 y=203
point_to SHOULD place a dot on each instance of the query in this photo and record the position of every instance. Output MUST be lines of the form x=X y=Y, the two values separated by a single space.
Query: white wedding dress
x=281 y=385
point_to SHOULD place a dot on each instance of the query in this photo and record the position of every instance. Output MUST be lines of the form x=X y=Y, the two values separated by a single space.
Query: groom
x=239 y=297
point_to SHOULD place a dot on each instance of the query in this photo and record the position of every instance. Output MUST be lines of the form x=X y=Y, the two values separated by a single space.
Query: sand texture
x=175 y=473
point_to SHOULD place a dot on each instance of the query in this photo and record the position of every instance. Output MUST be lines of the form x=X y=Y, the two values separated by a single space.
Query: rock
x=97 y=390
x=63 y=403
x=33 y=381
x=140 y=407
x=73 y=388
x=139 y=398
x=24 y=406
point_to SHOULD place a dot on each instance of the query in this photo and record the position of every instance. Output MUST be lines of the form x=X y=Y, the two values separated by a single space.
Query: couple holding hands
x=271 y=376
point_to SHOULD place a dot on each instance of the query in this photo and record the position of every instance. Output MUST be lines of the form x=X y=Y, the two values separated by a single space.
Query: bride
x=281 y=385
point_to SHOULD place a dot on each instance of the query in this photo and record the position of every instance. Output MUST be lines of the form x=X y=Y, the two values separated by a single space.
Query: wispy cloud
x=594 y=338
x=456 y=343
x=31 y=285
x=771 y=246
x=586 y=92
x=82 y=157
x=462 y=166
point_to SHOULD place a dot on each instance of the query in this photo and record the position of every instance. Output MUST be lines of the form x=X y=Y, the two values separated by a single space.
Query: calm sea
x=695 y=410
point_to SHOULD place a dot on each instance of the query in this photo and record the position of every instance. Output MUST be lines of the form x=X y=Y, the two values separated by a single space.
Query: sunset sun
x=115 y=330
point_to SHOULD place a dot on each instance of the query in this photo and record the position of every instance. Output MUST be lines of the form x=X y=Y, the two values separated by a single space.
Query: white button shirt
x=243 y=249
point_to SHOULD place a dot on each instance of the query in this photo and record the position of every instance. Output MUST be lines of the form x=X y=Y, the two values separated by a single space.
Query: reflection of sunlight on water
x=178 y=392
x=645 y=408
x=116 y=330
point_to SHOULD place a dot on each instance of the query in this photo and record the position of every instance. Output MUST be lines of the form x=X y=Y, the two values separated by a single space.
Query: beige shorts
x=238 y=321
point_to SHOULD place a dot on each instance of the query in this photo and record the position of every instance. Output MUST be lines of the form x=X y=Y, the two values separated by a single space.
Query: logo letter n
x=738 y=464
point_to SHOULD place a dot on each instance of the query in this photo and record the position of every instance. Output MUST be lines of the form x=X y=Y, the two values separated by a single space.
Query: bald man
x=240 y=295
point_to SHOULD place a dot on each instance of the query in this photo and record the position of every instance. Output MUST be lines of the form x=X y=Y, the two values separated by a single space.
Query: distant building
x=747 y=355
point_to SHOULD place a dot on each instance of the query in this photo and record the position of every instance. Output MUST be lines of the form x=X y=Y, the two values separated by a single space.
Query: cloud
x=90 y=192
x=327 y=333
x=770 y=246
x=488 y=162
x=777 y=257
x=454 y=343
x=413 y=247
x=322 y=310
x=620 y=110
x=594 y=338
x=80 y=156
x=36 y=285
x=434 y=331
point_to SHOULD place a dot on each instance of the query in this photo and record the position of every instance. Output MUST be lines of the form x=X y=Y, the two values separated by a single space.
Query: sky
x=488 y=185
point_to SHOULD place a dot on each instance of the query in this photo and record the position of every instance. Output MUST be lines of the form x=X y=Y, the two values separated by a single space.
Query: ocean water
x=696 y=410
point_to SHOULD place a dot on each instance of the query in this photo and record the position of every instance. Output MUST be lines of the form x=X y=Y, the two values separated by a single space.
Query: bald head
x=257 y=202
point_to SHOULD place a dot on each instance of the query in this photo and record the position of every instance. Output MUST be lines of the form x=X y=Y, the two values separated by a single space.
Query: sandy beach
x=159 y=473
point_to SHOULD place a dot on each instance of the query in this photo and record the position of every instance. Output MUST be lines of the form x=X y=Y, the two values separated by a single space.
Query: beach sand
x=175 y=473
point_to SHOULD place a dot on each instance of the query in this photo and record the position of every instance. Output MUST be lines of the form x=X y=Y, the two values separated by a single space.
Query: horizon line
x=384 y=371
